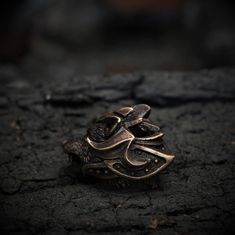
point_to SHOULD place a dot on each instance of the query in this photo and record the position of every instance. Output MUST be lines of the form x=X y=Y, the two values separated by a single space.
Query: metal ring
x=121 y=144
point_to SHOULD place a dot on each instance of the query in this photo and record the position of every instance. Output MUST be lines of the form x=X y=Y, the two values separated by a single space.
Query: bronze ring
x=123 y=143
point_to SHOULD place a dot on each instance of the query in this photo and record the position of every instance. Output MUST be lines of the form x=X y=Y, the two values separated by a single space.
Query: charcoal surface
x=38 y=195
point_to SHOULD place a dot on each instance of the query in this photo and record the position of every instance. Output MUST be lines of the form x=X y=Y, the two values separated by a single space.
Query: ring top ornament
x=123 y=143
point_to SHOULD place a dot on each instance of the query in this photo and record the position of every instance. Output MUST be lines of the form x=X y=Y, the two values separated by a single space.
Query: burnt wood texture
x=41 y=194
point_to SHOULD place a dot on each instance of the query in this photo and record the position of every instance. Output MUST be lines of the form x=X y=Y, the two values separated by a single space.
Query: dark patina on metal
x=121 y=144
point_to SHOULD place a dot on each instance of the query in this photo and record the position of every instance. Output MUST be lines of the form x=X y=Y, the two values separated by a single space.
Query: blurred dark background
x=113 y=36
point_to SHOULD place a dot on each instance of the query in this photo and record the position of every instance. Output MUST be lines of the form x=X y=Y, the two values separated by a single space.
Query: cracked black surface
x=195 y=195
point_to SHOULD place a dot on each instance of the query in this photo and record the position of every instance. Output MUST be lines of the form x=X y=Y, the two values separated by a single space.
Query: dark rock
x=195 y=195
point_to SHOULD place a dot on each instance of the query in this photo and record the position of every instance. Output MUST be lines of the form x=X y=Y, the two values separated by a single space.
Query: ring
x=121 y=144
